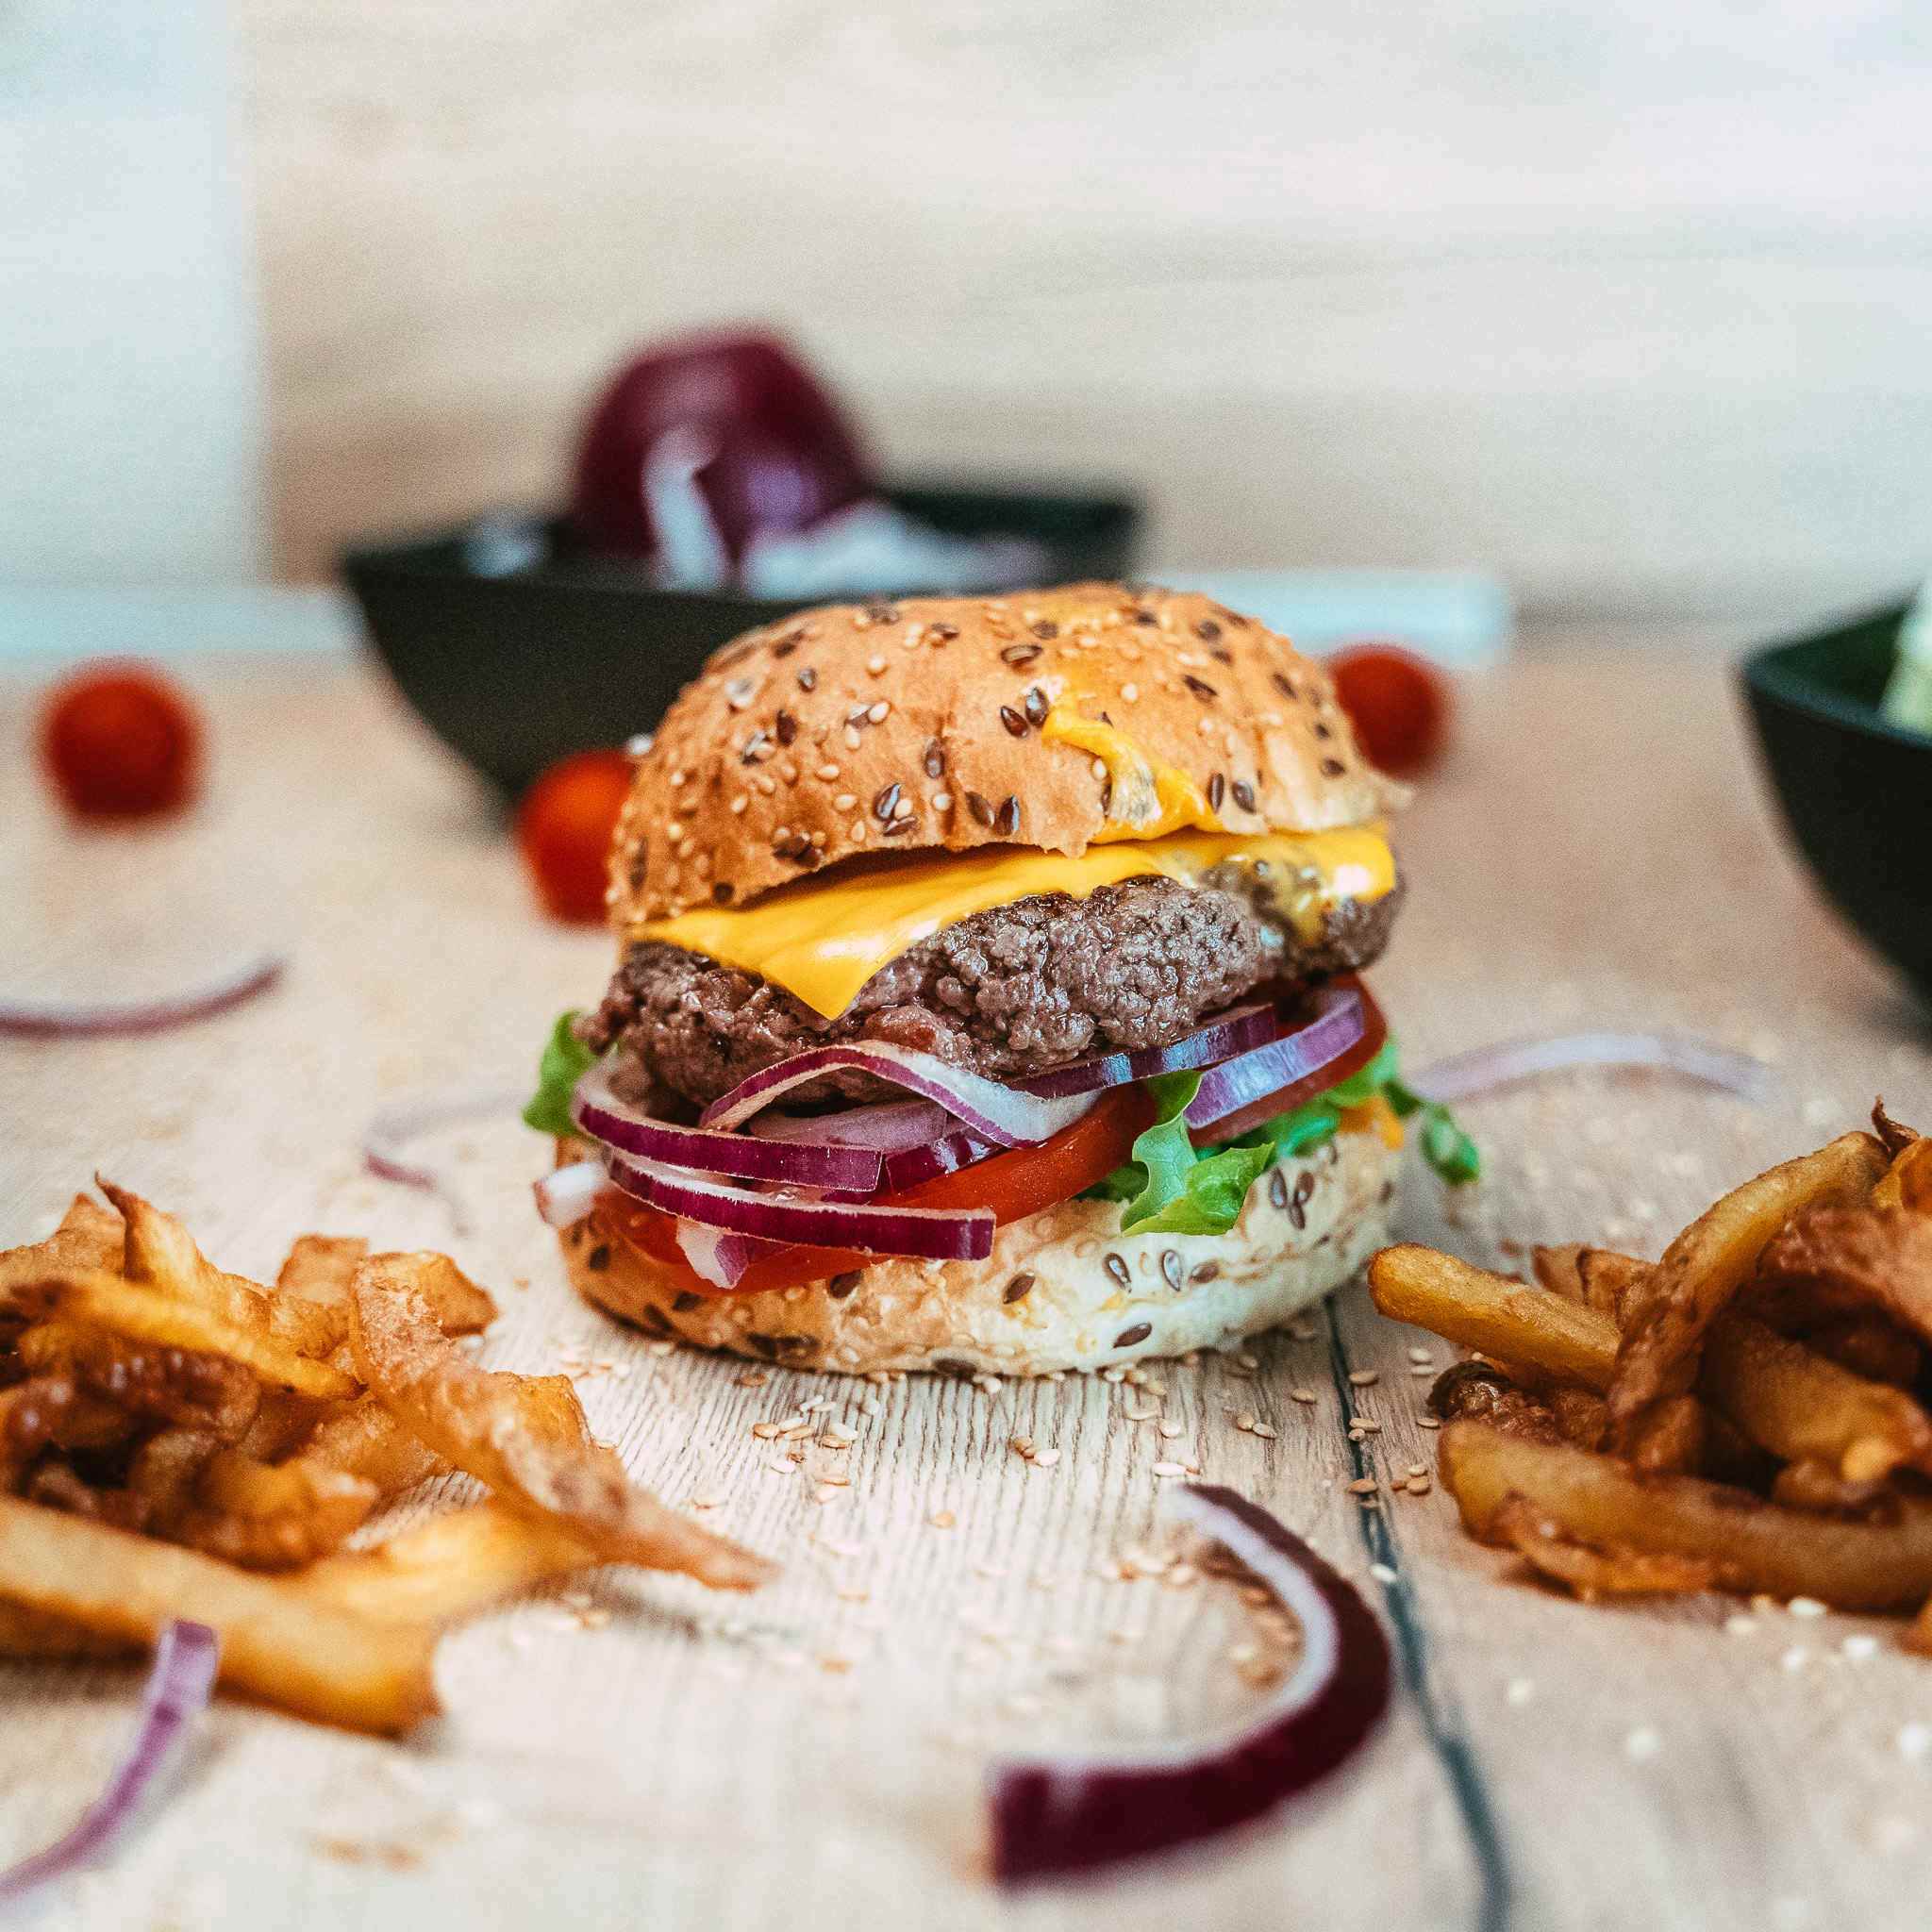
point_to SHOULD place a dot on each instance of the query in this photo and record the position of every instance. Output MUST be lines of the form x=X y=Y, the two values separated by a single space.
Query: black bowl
x=1855 y=791
x=515 y=651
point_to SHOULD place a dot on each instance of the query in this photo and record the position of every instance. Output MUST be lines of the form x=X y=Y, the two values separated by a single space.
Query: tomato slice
x=1015 y=1184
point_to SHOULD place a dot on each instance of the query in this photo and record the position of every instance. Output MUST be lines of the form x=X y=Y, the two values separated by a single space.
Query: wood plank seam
x=1442 y=1725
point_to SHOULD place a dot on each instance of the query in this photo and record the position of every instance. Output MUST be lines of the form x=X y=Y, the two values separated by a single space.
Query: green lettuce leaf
x=1170 y=1187
x=565 y=1061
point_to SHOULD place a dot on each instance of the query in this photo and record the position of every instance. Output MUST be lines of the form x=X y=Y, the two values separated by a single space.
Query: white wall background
x=130 y=398
x=1630 y=302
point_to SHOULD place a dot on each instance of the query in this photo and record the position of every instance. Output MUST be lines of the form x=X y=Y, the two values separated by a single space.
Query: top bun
x=898 y=726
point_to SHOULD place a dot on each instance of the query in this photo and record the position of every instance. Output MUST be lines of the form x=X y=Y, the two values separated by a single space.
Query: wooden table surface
x=1597 y=851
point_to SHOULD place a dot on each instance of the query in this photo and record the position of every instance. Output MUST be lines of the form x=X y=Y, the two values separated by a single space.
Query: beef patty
x=1010 y=991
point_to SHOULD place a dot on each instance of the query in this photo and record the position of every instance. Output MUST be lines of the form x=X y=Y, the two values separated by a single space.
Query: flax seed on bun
x=939 y=722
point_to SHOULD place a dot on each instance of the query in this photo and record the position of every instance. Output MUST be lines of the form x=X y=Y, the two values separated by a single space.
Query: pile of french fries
x=177 y=1442
x=1748 y=1413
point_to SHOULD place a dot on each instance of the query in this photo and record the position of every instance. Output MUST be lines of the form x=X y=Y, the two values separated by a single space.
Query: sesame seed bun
x=917 y=724
x=1063 y=1289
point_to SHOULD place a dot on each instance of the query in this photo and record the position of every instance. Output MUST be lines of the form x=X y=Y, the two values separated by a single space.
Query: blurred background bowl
x=515 y=651
x=1855 y=791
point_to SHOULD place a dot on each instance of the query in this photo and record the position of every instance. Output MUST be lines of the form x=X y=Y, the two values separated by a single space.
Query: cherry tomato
x=564 y=828
x=119 y=742
x=1398 y=705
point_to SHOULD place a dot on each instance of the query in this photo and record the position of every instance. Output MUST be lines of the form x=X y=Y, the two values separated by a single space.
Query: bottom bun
x=1063 y=1289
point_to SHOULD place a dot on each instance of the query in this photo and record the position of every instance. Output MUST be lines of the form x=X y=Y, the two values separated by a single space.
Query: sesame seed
x=1170 y=1469
x=1266 y=1431
x=1169 y=1431
x=878 y=713
x=738 y=804
x=1361 y=1486
x=1520 y=1691
x=852 y=738
x=1859 y=1646
x=942 y=1519
x=1245 y=1420
x=827 y=771
x=875 y=664
x=1301 y=1395
x=766 y=784
x=1914 y=1740
x=1382 y=1573
x=640 y=747
x=844 y=802
x=1805 y=1606
x=943 y=801
x=1364 y=1378
x=1428 y=1422
x=1131 y=692
x=1421 y=1357
x=1045 y=1458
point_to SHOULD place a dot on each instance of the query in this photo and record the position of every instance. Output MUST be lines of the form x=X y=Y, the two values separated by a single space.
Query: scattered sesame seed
x=1421 y=1357
x=1428 y=1422
x=942 y=1519
x=1805 y=1606
x=1361 y=1486
x=1914 y=1740
x=1382 y=1573
x=1266 y=1431
x=1364 y=1378
x=1045 y=1458
x=1859 y=1646
x=740 y=803
x=1519 y=1691
x=1302 y=1395
x=1170 y=1469
x=828 y=772
x=875 y=664
x=878 y=713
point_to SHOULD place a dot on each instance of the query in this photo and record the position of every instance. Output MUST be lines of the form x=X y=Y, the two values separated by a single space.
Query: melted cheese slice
x=823 y=941
x=1146 y=797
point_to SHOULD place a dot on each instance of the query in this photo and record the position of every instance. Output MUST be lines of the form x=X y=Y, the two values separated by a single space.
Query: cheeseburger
x=988 y=996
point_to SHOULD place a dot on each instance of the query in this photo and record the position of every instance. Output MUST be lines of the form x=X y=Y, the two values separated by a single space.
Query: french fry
x=1819 y=1488
x=365 y=1440
x=1668 y=1439
x=162 y=1475
x=188 y=1388
x=1480 y=1391
x=1907 y=1182
x=140 y=1313
x=1804 y=1408
x=1589 y=1572
x=1755 y=1545
x=524 y=1436
x=1872 y=1345
x=458 y=1305
x=162 y=1254
x=29 y=1633
x=276 y=1643
x=273 y=1516
x=449 y=1568
x=1710 y=1261
x=1840 y=1260
x=1556 y=1268
x=1494 y=1315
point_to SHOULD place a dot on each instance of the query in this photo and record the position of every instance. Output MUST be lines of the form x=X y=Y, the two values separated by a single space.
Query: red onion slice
x=1463 y=1076
x=1238 y=1031
x=26 y=1019
x=393 y=1126
x=566 y=1194
x=717 y=1257
x=947 y=1154
x=177 y=1691
x=1055 y=1817
x=1007 y=1114
x=1338 y=1022
x=927 y=1234
x=603 y=1117
x=888 y=1126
